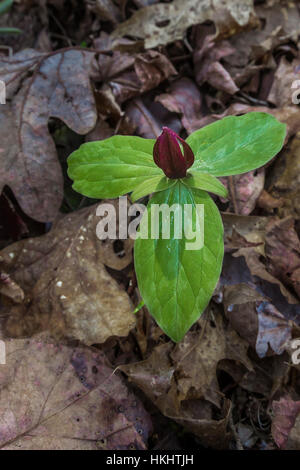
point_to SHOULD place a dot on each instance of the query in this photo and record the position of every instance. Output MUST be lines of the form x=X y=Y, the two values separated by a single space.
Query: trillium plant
x=176 y=283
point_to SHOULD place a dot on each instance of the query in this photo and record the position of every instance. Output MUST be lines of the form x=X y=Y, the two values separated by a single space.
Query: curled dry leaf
x=142 y=121
x=208 y=68
x=108 y=11
x=167 y=22
x=59 y=87
x=184 y=98
x=286 y=423
x=283 y=87
x=251 y=245
x=268 y=202
x=55 y=397
x=278 y=22
x=128 y=75
x=256 y=319
x=10 y=289
x=273 y=330
x=181 y=380
x=67 y=287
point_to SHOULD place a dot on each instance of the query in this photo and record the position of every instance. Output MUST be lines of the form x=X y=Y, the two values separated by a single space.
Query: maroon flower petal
x=167 y=154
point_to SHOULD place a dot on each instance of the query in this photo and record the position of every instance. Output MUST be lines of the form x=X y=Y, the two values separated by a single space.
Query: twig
x=232 y=194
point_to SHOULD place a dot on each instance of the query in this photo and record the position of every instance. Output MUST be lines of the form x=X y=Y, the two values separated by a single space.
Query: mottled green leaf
x=152 y=185
x=177 y=283
x=205 y=181
x=112 y=167
x=237 y=144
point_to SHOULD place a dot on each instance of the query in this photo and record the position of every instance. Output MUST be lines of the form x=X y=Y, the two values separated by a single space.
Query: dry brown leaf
x=286 y=180
x=181 y=380
x=279 y=23
x=253 y=231
x=256 y=319
x=287 y=73
x=129 y=75
x=247 y=189
x=207 y=61
x=55 y=397
x=150 y=69
x=286 y=423
x=167 y=22
x=184 y=98
x=141 y=119
x=108 y=11
x=10 y=289
x=67 y=288
x=268 y=202
x=283 y=251
x=59 y=87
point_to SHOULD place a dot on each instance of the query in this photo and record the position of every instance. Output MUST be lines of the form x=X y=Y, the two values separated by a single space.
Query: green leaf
x=112 y=167
x=5 y=6
x=206 y=182
x=237 y=144
x=10 y=31
x=152 y=185
x=177 y=283
x=138 y=307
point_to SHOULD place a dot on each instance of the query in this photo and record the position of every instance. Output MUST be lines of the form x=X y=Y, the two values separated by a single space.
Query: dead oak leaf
x=167 y=22
x=59 y=87
x=67 y=287
x=57 y=397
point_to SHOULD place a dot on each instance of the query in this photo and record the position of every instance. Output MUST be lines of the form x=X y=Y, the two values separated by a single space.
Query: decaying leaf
x=166 y=22
x=256 y=319
x=278 y=23
x=247 y=189
x=108 y=11
x=125 y=75
x=283 y=88
x=286 y=423
x=67 y=287
x=58 y=88
x=142 y=120
x=253 y=231
x=181 y=380
x=286 y=177
x=208 y=67
x=268 y=202
x=233 y=379
x=283 y=252
x=55 y=397
x=184 y=98
x=10 y=289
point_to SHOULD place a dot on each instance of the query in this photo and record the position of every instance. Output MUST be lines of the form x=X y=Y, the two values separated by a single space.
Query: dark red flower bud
x=167 y=154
